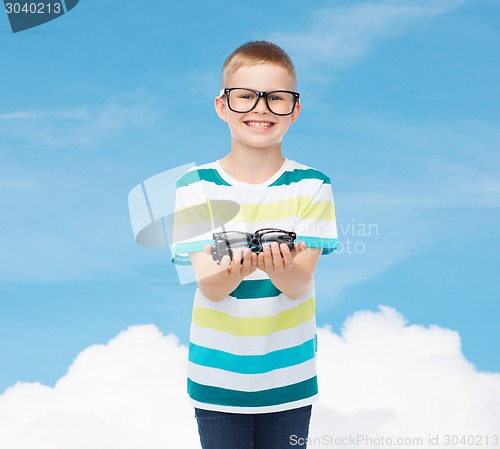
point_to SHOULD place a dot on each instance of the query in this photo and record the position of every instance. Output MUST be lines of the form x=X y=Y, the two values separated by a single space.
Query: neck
x=252 y=165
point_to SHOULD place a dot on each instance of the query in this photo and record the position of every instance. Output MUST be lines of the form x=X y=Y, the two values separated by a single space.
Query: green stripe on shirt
x=273 y=396
x=255 y=289
x=202 y=174
x=297 y=175
x=327 y=244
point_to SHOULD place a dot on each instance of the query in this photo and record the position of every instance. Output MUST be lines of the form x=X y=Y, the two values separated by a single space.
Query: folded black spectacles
x=226 y=242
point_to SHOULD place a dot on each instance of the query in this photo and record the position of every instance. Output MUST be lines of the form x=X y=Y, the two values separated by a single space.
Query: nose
x=261 y=106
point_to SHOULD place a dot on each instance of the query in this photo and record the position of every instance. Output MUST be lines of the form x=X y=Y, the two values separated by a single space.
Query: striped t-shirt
x=253 y=351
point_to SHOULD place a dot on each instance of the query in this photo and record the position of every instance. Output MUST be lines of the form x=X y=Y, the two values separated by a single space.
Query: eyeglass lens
x=239 y=240
x=233 y=240
x=270 y=237
x=279 y=102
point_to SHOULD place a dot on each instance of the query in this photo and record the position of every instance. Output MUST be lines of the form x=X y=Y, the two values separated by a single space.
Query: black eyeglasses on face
x=226 y=242
x=279 y=102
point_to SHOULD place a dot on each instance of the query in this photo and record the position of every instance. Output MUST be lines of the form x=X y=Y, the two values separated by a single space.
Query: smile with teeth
x=254 y=124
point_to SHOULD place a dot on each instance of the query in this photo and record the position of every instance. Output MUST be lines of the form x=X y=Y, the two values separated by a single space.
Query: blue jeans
x=278 y=430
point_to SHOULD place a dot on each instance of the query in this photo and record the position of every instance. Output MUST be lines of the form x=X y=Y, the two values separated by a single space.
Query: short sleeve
x=192 y=225
x=316 y=224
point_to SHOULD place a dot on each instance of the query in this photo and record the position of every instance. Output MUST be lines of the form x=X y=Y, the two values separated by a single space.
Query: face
x=259 y=128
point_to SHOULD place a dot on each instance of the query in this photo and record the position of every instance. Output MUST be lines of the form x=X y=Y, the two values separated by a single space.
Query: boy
x=252 y=354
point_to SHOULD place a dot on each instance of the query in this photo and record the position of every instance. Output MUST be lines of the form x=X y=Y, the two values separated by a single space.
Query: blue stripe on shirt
x=252 y=364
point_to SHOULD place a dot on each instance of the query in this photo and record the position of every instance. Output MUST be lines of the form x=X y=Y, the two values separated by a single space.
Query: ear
x=221 y=108
x=296 y=112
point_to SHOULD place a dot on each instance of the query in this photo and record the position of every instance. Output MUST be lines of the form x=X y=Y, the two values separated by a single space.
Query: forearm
x=217 y=281
x=218 y=286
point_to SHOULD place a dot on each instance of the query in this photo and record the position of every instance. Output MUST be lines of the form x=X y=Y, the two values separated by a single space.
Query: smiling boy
x=252 y=355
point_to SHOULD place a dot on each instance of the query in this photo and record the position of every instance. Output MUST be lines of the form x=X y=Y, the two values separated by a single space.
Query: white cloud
x=127 y=394
x=379 y=377
x=340 y=36
x=382 y=376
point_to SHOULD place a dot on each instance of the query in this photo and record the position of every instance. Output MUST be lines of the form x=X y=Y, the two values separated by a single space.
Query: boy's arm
x=217 y=281
x=291 y=273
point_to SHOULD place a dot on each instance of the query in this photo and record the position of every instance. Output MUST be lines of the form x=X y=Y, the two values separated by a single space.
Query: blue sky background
x=400 y=108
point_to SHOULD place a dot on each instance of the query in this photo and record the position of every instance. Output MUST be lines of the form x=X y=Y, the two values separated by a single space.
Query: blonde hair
x=257 y=52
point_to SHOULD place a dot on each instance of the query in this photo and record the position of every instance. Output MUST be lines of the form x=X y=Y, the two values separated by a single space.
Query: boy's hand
x=237 y=267
x=291 y=276
x=276 y=258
